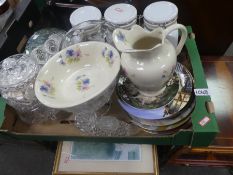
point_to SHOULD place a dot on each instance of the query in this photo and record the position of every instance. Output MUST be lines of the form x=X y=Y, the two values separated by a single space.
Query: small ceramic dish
x=151 y=111
x=78 y=74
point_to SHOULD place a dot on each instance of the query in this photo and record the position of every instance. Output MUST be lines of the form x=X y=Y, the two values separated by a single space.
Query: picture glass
x=97 y=157
x=105 y=151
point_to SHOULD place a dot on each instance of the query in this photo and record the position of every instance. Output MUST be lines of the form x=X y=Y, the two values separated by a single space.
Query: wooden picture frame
x=64 y=164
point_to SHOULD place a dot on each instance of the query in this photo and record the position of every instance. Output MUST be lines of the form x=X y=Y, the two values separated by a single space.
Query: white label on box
x=201 y=92
x=204 y=121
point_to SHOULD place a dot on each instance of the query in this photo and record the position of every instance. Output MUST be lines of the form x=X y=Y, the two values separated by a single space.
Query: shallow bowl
x=77 y=76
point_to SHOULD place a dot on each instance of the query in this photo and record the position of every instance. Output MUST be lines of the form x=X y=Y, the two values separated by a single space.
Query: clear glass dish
x=17 y=77
x=95 y=30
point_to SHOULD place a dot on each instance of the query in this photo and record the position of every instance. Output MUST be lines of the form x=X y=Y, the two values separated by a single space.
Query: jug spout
x=137 y=39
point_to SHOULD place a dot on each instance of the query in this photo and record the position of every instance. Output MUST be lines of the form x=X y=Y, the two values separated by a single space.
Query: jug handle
x=183 y=35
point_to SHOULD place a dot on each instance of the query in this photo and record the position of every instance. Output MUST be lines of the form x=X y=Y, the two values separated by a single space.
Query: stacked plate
x=159 y=114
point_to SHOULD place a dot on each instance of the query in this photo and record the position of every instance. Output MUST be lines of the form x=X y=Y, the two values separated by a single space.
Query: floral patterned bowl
x=78 y=75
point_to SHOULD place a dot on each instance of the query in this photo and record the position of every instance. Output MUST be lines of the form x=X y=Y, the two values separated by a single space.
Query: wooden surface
x=219 y=75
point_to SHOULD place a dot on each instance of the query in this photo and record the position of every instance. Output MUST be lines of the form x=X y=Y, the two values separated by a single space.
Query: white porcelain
x=172 y=36
x=120 y=14
x=111 y=27
x=162 y=14
x=78 y=74
x=2 y=2
x=83 y=14
x=126 y=26
x=150 y=68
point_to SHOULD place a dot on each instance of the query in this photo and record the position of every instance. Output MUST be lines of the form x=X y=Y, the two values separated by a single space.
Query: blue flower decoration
x=62 y=62
x=70 y=52
x=103 y=51
x=110 y=53
x=121 y=36
x=44 y=88
x=86 y=81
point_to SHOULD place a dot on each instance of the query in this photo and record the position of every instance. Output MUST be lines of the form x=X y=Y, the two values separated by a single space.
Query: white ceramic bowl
x=78 y=77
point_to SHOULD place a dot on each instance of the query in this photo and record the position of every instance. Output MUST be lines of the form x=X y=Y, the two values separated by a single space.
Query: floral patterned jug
x=148 y=58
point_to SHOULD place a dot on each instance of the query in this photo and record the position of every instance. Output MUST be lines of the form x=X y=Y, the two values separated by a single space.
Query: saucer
x=169 y=110
x=130 y=94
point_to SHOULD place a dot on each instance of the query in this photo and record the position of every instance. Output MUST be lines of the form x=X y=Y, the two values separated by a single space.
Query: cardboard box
x=200 y=132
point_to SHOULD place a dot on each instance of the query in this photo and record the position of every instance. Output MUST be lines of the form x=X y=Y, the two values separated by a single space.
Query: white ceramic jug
x=148 y=58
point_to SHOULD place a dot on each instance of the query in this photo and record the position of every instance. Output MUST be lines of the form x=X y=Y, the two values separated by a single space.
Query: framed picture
x=79 y=158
